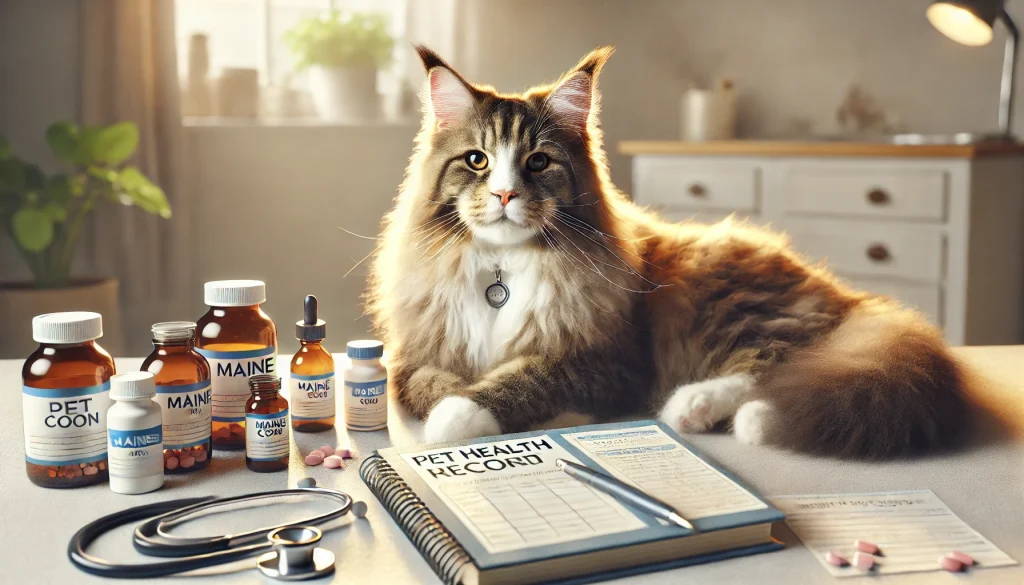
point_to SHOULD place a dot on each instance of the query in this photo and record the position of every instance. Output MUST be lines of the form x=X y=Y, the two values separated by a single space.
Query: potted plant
x=44 y=215
x=343 y=54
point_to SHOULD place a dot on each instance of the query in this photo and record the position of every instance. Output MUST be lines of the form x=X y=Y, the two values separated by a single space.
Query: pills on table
x=834 y=558
x=867 y=547
x=359 y=509
x=950 y=564
x=334 y=462
x=307 y=482
x=314 y=458
x=964 y=558
x=863 y=561
x=327 y=450
x=345 y=453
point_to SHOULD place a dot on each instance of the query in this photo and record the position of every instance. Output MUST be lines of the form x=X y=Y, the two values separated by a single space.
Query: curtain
x=129 y=72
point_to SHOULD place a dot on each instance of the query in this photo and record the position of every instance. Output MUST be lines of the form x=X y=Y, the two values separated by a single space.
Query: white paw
x=695 y=408
x=749 y=423
x=456 y=418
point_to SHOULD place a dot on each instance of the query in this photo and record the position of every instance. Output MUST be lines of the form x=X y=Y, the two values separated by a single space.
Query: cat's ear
x=449 y=96
x=574 y=98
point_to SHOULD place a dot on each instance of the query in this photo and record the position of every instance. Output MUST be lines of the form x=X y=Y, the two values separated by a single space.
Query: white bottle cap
x=71 y=327
x=132 y=386
x=235 y=293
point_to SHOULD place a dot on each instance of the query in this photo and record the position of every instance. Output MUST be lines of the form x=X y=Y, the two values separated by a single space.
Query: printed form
x=657 y=464
x=511 y=496
x=911 y=529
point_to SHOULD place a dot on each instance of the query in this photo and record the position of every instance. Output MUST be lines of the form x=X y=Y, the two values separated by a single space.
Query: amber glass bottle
x=184 y=394
x=266 y=425
x=238 y=340
x=65 y=397
x=311 y=383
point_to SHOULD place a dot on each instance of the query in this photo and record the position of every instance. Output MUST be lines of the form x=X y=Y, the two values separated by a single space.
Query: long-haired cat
x=611 y=311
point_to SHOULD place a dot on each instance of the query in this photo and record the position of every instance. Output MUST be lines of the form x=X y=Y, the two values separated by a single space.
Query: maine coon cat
x=613 y=312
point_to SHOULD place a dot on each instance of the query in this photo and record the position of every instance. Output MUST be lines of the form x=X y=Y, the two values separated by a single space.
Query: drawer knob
x=698 y=190
x=879 y=253
x=879 y=197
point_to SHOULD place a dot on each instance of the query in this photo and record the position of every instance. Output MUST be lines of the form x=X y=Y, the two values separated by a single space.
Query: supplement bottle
x=266 y=425
x=311 y=384
x=135 y=435
x=65 y=397
x=366 y=387
x=238 y=340
x=183 y=392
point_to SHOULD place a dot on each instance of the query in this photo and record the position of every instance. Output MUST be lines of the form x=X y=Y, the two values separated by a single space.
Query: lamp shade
x=968 y=22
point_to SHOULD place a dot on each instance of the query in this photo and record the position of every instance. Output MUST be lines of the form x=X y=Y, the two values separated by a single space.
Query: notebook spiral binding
x=444 y=555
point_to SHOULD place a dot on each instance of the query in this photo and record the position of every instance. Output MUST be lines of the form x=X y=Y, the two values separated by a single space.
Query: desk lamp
x=970 y=22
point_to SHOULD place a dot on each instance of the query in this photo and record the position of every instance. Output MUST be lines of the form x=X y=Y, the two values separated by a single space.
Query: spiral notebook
x=496 y=510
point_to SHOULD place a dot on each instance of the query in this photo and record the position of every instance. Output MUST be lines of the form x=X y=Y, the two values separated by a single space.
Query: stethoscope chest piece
x=295 y=556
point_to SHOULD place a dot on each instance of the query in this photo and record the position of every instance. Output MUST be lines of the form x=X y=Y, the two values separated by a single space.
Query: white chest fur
x=474 y=326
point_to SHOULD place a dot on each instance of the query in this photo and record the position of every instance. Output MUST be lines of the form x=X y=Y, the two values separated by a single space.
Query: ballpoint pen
x=623 y=492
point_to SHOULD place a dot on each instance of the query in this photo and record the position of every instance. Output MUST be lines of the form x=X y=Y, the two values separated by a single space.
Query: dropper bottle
x=311 y=384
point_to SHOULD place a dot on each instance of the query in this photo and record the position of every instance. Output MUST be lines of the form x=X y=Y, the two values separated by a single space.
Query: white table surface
x=984 y=485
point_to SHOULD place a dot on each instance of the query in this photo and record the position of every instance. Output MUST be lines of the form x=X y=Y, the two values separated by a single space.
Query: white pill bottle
x=135 y=435
x=366 y=387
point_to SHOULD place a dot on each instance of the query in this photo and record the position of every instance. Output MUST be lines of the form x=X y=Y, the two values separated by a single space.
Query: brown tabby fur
x=631 y=306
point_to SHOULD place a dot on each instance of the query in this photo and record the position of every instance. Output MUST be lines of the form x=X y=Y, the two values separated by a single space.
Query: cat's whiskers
x=596 y=270
x=441 y=223
x=614 y=255
x=580 y=223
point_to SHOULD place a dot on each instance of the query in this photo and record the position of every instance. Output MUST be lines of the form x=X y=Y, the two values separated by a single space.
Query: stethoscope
x=289 y=550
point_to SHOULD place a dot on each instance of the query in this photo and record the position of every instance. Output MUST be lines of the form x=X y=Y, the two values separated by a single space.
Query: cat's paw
x=456 y=418
x=695 y=408
x=749 y=423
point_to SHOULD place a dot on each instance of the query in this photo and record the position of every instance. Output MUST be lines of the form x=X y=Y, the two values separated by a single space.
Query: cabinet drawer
x=924 y=297
x=870 y=192
x=673 y=183
x=901 y=251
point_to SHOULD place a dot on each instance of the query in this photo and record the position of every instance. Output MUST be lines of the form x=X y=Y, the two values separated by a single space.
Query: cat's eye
x=476 y=160
x=537 y=162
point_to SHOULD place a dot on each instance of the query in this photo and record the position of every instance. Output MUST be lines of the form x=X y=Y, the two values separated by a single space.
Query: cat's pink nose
x=505 y=196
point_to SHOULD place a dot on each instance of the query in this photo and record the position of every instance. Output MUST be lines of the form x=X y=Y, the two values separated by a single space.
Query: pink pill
x=863 y=561
x=319 y=453
x=90 y=470
x=187 y=461
x=314 y=458
x=327 y=450
x=171 y=463
x=345 y=453
x=964 y=558
x=834 y=558
x=950 y=564
x=334 y=462
x=865 y=546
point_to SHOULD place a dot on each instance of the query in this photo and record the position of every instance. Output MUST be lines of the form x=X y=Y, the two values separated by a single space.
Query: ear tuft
x=572 y=99
x=451 y=97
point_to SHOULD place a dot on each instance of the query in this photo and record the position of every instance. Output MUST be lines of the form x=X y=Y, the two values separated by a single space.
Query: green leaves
x=93 y=145
x=32 y=229
x=359 y=39
x=142 y=192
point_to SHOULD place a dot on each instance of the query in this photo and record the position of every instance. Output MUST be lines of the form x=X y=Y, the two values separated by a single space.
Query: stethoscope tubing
x=193 y=553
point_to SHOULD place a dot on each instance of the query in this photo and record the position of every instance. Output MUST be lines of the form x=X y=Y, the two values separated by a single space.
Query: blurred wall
x=271 y=199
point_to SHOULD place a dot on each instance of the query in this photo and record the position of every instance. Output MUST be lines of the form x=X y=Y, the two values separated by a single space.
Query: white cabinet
x=940 y=230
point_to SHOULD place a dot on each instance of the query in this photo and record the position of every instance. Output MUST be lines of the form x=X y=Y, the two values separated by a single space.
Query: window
x=250 y=71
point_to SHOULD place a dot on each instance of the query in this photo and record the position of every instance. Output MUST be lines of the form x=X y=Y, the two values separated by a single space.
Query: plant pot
x=345 y=94
x=20 y=301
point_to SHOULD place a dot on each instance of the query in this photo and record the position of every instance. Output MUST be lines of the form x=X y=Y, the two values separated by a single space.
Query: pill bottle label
x=266 y=436
x=135 y=454
x=186 y=411
x=230 y=371
x=366 y=405
x=311 y=397
x=64 y=426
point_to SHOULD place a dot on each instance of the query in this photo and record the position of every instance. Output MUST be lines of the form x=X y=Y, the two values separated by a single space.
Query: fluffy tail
x=882 y=384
